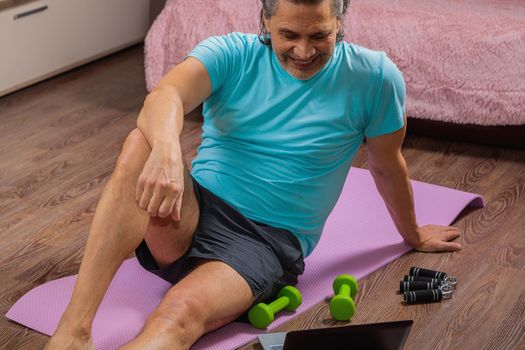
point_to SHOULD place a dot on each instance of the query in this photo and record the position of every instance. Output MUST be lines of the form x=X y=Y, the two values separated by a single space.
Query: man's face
x=303 y=36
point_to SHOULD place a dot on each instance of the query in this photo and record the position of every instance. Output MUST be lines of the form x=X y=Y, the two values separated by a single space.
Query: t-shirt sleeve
x=388 y=101
x=222 y=57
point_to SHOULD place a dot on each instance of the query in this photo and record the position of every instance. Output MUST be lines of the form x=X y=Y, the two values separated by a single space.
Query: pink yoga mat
x=359 y=237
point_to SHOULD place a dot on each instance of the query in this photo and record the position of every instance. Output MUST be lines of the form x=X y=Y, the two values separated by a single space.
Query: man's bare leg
x=211 y=296
x=118 y=227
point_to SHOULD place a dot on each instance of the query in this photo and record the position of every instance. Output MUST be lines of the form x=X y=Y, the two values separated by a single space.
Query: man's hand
x=434 y=238
x=161 y=183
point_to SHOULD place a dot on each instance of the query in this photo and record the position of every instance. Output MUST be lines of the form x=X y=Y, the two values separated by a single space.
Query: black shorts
x=268 y=258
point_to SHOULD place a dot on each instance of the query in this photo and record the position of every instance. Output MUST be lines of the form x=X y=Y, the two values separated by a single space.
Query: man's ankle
x=76 y=332
x=73 y=327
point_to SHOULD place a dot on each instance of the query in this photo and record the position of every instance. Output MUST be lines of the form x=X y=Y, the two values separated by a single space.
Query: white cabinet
x=62 y=34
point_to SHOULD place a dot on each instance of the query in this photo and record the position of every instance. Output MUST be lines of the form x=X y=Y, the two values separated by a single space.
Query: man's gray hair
x=269 y=7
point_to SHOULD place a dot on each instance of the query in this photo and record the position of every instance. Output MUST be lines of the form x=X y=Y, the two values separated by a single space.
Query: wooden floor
x=59 y=142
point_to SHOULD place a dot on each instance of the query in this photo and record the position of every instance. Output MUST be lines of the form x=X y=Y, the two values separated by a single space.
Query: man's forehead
x=304 y=25
x=312 y=30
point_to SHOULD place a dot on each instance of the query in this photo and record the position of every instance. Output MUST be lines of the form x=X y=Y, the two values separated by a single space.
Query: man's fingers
x=163 y=199
x=450 y=235
x=175 y=214
x=441 y=246
x=139 y=190
x=451 y=246
x=167 y=206
x=147 y=193
x=154 y=203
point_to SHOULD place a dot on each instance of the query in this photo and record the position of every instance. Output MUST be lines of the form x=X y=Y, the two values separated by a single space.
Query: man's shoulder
x=361 y=58
x=364 y=62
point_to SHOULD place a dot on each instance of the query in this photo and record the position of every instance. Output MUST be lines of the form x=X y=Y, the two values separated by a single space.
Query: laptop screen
x=375 y=336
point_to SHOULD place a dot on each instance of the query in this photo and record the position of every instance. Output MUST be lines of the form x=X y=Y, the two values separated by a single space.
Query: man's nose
x=304 y=51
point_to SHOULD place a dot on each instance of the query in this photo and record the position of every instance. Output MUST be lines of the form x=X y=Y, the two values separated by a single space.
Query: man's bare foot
x=62 y=341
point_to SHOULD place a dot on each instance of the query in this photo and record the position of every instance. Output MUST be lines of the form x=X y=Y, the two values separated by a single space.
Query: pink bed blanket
x=463 y=61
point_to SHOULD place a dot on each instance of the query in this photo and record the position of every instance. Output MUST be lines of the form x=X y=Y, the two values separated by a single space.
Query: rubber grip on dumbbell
x=422 y=296
x=405 y=286
x=417 y=271
x=422 y=278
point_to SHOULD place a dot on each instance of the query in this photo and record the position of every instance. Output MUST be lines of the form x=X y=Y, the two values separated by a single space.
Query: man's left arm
x=390 y=173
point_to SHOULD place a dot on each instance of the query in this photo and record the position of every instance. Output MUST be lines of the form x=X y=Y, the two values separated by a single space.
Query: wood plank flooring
x=59 y=142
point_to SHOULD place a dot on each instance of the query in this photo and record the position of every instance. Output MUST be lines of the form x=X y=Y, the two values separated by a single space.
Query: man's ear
x=266 y=21
x=339 y=25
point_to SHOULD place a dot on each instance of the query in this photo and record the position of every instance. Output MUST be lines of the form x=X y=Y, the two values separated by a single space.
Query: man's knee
x=133 y=156
x=136 y=135
x=180 y=311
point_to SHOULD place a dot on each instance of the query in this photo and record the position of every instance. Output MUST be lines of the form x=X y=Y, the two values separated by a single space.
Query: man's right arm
x=179 y=92
x=160 y=185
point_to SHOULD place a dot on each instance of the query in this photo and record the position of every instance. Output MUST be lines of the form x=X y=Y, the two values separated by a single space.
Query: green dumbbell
x=261 y=315
x=342 y=305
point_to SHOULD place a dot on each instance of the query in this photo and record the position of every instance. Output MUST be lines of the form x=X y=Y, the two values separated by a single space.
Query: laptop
x=374 y=336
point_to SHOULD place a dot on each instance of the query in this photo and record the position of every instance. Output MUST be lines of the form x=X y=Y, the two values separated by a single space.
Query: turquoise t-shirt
x=277 y=148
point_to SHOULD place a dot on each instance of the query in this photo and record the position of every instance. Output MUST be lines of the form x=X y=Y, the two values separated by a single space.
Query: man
x=282 y=123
